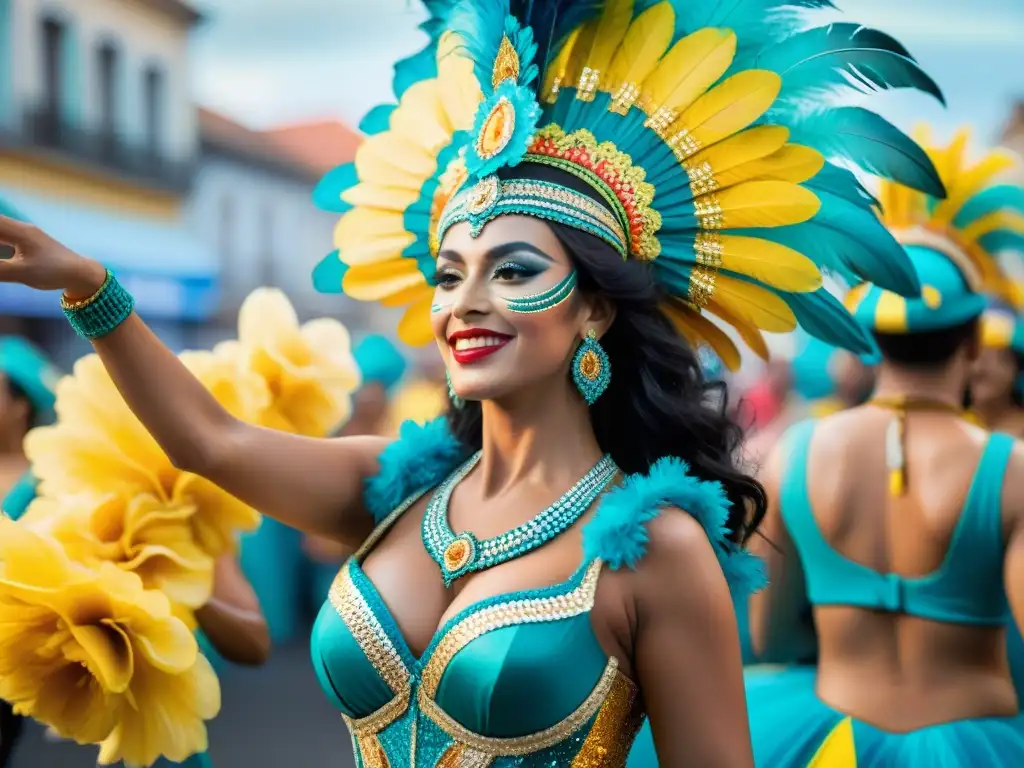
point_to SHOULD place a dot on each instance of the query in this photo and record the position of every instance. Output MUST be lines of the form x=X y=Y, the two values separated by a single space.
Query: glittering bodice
x=515 y=680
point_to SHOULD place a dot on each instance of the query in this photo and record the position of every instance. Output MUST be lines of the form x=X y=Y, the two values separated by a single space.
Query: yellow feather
x=645 y=43
x=690 y=68
x=384 y=198
x=408 y=295
x=373 y=282
x=793 y=163
x=414 y=327
x=420 y=118
x=600 y=38
x=697 y=330
x=459 y=89
x=754 y=304
x=991 y=222
x=557 y=74
x=901 y=206
x=394 y=162
x=744 y=147
x=838 y=750
x=764 y=204
x=749 y=332
x=968 y=182
x=770 y=263
x=366 y=235
x=855 y=296
x=730 y=106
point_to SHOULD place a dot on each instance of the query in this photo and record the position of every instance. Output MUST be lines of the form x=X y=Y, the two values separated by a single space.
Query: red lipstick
x=477 y=343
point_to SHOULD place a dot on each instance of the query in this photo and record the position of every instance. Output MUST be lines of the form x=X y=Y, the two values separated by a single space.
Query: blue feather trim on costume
x=618 y=533
x=421 y=458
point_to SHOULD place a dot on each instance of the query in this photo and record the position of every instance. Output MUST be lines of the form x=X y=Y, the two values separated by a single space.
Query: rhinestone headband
x=490 y=198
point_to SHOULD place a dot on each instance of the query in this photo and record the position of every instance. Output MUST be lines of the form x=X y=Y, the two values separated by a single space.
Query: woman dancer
x=997 y=381
x=469 y=629
x=901 y=549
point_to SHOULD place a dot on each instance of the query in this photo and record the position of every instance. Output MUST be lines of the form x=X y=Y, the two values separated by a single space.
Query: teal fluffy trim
x=421 y=457
x=618 y=533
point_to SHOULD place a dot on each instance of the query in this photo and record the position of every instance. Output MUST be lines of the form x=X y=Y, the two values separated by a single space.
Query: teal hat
x=947 y=297
x=379 y=361
x=26 y=365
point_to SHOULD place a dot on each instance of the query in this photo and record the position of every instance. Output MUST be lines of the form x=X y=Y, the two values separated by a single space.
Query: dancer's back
x=928 y=648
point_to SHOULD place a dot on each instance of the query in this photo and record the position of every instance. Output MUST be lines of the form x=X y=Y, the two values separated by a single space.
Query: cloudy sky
x=267 y=62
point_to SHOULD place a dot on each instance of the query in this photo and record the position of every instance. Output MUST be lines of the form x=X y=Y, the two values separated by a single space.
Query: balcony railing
x=46 y=129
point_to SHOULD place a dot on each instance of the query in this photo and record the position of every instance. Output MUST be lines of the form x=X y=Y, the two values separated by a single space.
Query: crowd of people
x=574 y=544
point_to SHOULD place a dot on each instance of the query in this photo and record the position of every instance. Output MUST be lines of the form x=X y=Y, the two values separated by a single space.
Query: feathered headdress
x=955 y=243
x=699 y=125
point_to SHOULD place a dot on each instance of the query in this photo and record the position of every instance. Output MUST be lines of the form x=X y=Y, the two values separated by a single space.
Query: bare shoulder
x=680 y=567
x=1013 y=485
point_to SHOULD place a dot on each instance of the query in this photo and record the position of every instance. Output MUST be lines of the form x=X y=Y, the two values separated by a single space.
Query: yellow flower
x=98 y=446
x=139 y=534
x=309 y=369
x=89 y=651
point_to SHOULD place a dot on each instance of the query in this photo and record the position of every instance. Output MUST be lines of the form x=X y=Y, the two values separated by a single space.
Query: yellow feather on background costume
x=838 y=750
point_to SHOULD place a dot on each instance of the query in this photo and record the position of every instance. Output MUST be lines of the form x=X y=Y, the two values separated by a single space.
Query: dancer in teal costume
x=966 y=712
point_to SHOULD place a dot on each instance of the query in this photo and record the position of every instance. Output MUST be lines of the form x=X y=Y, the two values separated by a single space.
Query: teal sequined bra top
x=515 y=680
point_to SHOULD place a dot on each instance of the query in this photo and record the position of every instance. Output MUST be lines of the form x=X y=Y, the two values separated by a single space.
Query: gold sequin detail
x=382 y=718
x=624 y=98
x=461 y=756
x=506 y=63
x=708 y=246
x=620 y=717
x=709 y=212
x=586 y=87
x=523 y=745
x=556 y=86
x=702 y=286
x=373 y=640
x=702 y=178
x=660 y=120
x=683 y=144
x=372 y=752
x=526 y=611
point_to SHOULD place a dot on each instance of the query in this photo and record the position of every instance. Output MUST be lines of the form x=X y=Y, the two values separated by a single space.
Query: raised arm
x=311 y=484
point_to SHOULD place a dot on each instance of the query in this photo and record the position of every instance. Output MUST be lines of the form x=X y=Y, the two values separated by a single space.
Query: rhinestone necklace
x=459 y=554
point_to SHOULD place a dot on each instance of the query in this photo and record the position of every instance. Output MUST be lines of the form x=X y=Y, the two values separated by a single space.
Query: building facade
x=99 y=146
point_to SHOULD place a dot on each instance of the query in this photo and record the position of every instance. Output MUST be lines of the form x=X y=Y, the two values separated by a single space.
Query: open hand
x=40 y=262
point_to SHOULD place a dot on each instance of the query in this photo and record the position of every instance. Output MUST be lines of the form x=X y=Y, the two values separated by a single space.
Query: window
x=153 y=101
x=108 y=71
x=54 y=33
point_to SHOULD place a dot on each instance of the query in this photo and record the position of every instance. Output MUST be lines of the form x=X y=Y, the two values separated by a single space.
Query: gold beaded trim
x=660 y=120
x=372 y=752
x=702 y=178
x=702 y=286
x=367 y=630
x=709 y=249
x=523 y=745
x=377 y=721
x=586 y=88
x=683 y=144
x=526 y=611
x=624 y=98
x=709 y=212
x=461 y=756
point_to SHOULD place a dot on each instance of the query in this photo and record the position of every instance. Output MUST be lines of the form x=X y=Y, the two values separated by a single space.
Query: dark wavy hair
x=659 y=402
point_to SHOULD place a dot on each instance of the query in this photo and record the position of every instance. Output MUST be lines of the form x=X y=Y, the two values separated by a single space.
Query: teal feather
x=1009 y=197
x=842 y=182
x=328 y=273
x=552 y=21
x=618 y=532
x=327 y=193
x=420 y=459
x=870 y=142
x=823 y=316
x=842 y=55
x=880 y=260
x=1002 y=240
x=377 y=120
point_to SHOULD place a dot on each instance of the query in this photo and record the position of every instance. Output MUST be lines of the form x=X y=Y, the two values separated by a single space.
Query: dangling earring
x=591 y=369
x=457 y=401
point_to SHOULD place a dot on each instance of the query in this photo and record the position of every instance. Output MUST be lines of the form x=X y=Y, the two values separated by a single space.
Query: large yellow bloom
x=141 y=534
x=91 y=653
x=98 y=446
x=309 y=369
